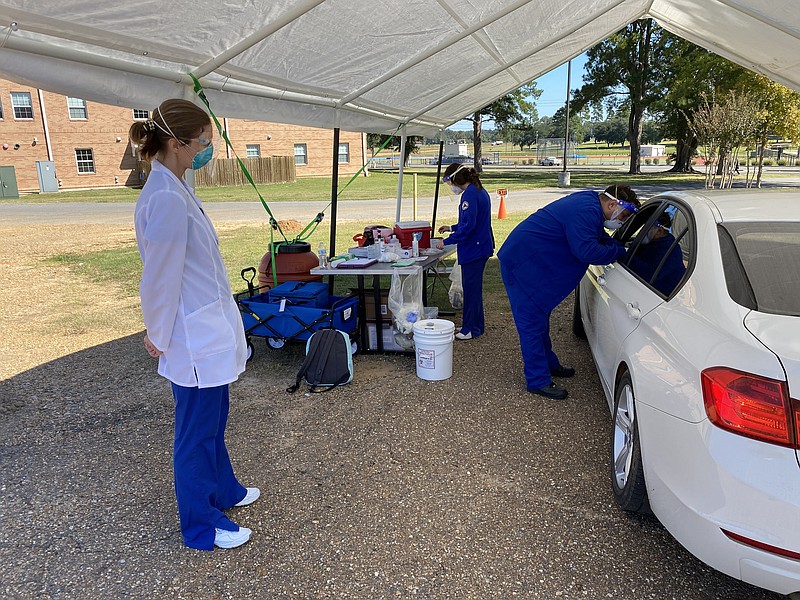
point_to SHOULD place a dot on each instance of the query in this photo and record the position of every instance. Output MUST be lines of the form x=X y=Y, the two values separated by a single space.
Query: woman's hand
x=151 y=349
x=444 y=228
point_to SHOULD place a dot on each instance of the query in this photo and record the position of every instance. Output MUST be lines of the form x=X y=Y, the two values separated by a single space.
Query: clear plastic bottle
x=415 y=245
x=322 y=254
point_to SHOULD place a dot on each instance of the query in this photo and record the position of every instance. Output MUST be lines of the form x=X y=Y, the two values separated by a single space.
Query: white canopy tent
x=362 y=65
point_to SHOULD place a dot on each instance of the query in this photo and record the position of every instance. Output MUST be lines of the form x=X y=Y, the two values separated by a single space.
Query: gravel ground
x=390 y=487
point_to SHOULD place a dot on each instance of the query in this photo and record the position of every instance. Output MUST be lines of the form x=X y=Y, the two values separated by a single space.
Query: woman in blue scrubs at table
x=193 y=325
x=474 y=240
x=543 y=260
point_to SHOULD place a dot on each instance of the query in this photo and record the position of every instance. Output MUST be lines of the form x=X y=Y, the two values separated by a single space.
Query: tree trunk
x=476 y=142
x=684 y=149
x=635 y=138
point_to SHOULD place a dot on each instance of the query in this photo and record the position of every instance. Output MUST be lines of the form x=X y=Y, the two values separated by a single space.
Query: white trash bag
x=456 y=292
x=405 y=302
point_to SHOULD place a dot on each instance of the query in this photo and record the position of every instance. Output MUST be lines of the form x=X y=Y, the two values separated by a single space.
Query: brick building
x=88 y=144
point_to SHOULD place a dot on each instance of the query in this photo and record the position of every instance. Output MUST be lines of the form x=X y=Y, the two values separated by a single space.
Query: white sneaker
x=464 y=336
x=231 y=539
x=251 y=496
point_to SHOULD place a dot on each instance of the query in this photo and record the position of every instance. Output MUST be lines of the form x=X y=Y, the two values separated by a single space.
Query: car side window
x=661 y=246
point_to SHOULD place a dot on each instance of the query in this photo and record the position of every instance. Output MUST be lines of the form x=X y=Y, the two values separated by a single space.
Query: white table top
x=387 y=268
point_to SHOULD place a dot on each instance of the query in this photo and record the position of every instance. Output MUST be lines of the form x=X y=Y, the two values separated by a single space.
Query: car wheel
x=250 y=350
x=577 y=322
x=627 y=474
x=275 y=342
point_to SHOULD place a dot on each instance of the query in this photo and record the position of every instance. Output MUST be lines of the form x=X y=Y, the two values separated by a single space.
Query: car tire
x=577 y=322
x=627 y=473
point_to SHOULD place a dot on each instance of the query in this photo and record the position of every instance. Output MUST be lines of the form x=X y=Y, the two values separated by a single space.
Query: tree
x=613 y=131
x=623 y=64
x=722 y=127
x=779 y=114
x=376 y=140
x=694 y=74
x=513 y=109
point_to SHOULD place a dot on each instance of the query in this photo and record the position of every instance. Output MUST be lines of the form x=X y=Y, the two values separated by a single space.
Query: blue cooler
x=312 y=294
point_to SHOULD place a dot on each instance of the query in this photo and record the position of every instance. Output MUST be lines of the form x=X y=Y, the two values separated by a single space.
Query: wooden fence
x=269 y=169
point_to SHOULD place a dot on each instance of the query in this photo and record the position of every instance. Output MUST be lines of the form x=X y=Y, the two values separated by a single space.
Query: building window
x=77 y=108
x=23 y=107
x=140 y=115
x=344 y=153
x=1 y=111
x=300 y=154
x=85 y=159
x=253 y=150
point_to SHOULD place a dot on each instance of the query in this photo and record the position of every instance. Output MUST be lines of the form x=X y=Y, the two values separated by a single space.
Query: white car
x=550 y=161
x=702 y=376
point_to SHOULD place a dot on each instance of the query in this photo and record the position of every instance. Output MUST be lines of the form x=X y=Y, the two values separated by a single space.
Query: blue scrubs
x=648 y=257
x=475 y=240
x=542 y=261
x=204 y=481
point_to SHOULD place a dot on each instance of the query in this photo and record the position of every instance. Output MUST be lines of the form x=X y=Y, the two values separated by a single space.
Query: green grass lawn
x=378 y=185
x=241 y=247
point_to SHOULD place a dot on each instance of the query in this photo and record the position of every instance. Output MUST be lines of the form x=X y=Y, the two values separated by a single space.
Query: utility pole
x=563 y=176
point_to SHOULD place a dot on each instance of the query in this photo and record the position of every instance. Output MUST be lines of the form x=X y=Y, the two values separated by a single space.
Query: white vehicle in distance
x=550 y=161
x=698 y=354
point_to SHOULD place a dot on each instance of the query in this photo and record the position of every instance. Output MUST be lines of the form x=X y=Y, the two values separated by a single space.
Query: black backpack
x=328 y=363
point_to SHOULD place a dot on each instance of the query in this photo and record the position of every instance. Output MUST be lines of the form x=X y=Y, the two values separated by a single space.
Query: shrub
x=656 y=161
x=767 y=162
x=648 y=161
x=782 y=162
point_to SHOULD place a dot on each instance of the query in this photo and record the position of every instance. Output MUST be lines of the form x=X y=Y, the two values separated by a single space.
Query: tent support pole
x=334 y=193
x=403 y=138
x=438 y=179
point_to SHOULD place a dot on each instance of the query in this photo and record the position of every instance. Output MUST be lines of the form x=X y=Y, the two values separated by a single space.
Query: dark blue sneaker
x=563 y=371
x=556 y=392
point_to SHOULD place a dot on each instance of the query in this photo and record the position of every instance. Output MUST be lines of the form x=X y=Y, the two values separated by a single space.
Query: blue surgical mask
x=455 y=189
x=201 y=158
x=612 y=223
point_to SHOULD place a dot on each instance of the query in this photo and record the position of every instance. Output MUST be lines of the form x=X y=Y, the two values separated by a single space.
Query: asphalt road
x=390 y=487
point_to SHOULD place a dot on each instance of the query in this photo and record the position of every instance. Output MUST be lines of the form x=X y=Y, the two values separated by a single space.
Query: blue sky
x=554 y=90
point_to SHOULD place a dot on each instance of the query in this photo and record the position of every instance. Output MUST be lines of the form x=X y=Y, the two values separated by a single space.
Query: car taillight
x=750 y=405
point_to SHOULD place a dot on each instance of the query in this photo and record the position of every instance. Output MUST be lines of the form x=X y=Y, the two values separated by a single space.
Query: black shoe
x=556 y=392
x=563 y=371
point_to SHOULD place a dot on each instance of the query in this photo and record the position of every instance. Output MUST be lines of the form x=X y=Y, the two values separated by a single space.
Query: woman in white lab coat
x=193 y=325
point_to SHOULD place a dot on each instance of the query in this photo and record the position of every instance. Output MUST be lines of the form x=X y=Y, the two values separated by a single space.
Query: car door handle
x=633 y=311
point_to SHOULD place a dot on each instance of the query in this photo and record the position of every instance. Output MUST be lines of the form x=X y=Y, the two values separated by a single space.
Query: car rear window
x=769 y=255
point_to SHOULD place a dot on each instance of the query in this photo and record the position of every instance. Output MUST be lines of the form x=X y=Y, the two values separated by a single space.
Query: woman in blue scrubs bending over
x=543 y=260
x=193 y=325
x=475 y=240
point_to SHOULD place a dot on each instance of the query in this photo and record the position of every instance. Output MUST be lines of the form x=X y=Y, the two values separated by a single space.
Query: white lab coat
x=187 y=303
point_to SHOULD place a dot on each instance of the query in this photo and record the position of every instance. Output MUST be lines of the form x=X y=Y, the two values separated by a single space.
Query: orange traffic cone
x=501 y=214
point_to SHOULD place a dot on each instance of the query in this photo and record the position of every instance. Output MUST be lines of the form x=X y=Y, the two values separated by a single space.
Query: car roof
x=744 y=204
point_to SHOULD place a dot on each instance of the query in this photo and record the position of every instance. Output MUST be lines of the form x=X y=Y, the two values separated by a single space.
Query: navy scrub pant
x=204 y=481
x=472 y=320
x=533 y=327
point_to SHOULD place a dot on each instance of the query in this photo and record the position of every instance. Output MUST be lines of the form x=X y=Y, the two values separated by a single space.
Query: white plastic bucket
x=433 y=339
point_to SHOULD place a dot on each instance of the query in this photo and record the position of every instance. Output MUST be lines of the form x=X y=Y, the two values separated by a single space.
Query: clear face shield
x=453 y=191
x=622 y=211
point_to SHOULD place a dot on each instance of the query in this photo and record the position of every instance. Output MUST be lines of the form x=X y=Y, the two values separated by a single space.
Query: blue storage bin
x=301 y=293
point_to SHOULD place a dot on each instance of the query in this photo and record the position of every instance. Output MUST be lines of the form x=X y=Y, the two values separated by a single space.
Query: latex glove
x=444 y=228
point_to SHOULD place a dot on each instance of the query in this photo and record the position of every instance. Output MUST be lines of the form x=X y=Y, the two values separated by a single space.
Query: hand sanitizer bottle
x=322 y=254
x=415 y=244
